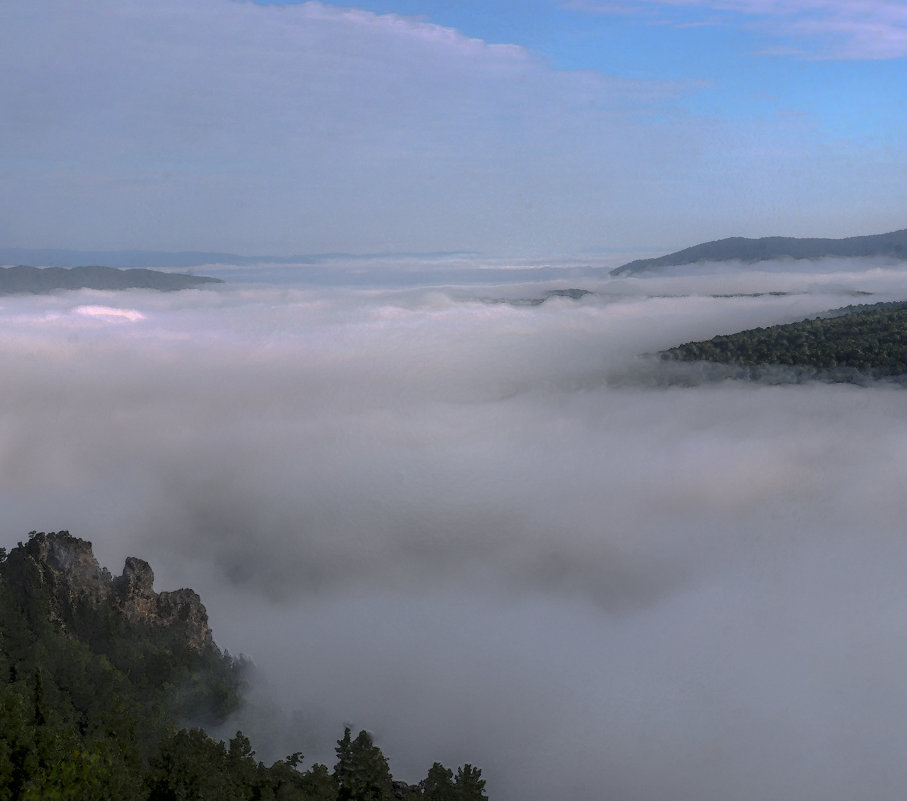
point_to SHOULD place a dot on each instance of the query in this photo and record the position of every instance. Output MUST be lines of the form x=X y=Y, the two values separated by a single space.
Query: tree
x=438 y=785
x=240 y=763
x=318 y=784
x=469 y=784
x=361 y=771
x=192 y=767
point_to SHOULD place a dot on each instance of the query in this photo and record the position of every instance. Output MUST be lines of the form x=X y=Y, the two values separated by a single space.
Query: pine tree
x=438 y=785
x=361 y=770
x=469 y=784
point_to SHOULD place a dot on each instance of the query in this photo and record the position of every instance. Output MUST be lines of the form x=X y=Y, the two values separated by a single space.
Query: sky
x=538 y=129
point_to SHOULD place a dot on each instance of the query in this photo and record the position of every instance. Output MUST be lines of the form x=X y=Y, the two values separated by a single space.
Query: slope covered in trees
x=739 y=248
x=867 y=341
x=38 y=280
x=105 y=684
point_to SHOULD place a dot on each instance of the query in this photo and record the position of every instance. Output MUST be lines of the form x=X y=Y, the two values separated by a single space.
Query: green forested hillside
x=105 y=684
x=858 y=340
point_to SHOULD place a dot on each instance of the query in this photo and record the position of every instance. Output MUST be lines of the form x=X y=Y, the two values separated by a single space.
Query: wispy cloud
x=304 y=128
x=845 y=29
x=241 y=127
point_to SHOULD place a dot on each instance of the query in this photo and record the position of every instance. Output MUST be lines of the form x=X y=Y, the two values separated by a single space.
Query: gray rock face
x=68 y=567
x=184 y=608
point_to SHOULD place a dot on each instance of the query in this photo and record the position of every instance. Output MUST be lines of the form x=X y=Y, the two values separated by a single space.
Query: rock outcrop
x=66 y=565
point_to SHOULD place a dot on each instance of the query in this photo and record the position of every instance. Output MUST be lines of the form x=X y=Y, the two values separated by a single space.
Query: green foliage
x=441 y=785
x=318 y=784
x=361 y=772
x=92 y=702
x=438 y=785
x=191 y=766
x=470 y=784
x=871 y=340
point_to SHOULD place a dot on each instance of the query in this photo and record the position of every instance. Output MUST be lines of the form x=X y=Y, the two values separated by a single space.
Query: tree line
x=93 y=706
x=870 y=339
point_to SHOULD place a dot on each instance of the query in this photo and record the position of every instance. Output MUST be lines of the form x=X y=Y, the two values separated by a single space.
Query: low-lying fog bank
x=433 y=516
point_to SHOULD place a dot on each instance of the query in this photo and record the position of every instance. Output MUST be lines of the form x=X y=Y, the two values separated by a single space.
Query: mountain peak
x=67 y=567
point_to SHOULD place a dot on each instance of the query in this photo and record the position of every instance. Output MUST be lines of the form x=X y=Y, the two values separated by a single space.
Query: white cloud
x=109 y=313
x=849 y=29
x=435 y=518
x=309 y=127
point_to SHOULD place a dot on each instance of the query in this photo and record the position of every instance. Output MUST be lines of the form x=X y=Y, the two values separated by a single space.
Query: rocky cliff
x=66 y=565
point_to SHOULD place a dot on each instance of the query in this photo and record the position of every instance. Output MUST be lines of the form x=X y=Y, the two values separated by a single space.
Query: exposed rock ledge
x=67 y=566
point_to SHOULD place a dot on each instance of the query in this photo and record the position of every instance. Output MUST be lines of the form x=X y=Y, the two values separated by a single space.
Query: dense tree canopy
x=94 y=706
x=858 y=340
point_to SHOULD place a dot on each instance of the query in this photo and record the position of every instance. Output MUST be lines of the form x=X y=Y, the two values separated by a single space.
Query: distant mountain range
x=50 y=257
x=740 y=248
x=37 y=280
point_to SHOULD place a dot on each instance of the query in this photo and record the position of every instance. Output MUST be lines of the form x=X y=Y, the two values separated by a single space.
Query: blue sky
x=545 y=128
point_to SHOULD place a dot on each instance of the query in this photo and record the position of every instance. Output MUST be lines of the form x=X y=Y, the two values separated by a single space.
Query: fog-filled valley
x=480 y=530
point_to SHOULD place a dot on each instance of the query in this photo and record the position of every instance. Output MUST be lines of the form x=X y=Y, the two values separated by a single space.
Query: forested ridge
x=868 y=340
x=25 y=279
x=105 y=686
x=747 y=250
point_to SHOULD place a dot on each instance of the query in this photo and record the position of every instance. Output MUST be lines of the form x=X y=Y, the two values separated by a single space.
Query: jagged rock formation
x=68 y=568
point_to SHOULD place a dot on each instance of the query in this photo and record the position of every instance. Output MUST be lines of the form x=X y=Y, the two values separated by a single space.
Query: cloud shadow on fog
x=434 y=518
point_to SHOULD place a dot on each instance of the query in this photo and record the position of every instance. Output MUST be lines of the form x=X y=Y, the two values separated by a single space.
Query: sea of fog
x=476 y=527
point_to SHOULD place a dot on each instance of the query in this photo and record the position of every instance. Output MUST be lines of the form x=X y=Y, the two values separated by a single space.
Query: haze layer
x=475 y=529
